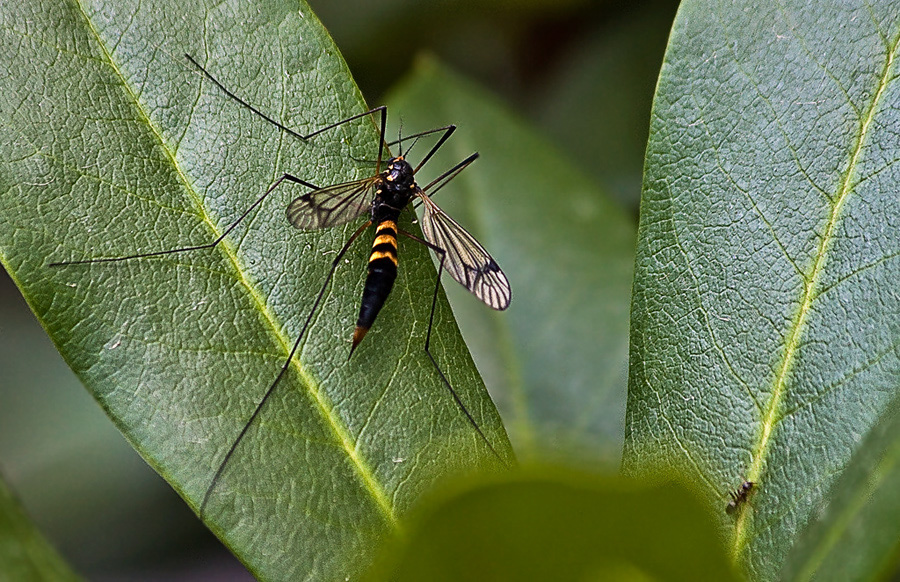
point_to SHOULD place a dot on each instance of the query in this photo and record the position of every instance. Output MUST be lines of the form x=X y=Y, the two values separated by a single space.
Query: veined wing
x=332 y=205
x=466 y=260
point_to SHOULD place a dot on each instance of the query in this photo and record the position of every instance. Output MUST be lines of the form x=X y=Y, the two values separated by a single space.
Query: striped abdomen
x=380 y=280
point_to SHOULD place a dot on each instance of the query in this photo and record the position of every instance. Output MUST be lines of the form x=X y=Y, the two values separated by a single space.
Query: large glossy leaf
x=766 y=317
x=557 y=358
x=856 y=535
x=113 y=144
x=25 y=555
x=553 y=526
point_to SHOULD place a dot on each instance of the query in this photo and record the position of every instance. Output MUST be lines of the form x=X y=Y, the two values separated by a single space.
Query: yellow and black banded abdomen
x=380 y=280
x=384 y=249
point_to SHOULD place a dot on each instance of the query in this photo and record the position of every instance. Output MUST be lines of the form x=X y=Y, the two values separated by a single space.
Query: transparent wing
x=466 y=259
x=332 y=205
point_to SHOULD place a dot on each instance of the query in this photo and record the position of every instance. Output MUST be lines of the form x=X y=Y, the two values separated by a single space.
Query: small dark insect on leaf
x=739 y=496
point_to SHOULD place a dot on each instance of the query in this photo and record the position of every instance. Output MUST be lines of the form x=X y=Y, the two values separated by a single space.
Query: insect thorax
x=398 y=183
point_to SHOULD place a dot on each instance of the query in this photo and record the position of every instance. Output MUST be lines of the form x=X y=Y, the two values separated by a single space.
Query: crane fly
x=382 y=196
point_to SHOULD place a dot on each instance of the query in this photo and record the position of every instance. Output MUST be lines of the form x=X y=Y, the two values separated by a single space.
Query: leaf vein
x=779 y=387
x=363 y=471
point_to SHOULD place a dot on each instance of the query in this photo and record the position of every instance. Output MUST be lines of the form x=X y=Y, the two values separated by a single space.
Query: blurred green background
x=583 y=73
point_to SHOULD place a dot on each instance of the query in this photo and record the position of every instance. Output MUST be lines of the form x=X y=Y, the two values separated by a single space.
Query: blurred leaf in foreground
x=25 y=556
x=551 y=527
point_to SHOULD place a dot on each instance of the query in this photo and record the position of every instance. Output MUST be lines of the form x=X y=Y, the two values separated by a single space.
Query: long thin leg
x=448 y=131
x=284 y=368
x=447 y=128
x=443 y=254
x=445 y=178
x=450 y=127
x=221 y=237
x=381 y=108
x=282 y=127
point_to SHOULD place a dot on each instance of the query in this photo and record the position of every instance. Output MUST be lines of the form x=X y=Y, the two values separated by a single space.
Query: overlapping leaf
x=765 y=324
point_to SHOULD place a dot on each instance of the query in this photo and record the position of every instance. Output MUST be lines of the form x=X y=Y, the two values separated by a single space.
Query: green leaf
x=596 y=107
x=556 y=360
x=552 y=527
x=69 y=467
x=24 y=554
x=857 y=534
x=113 y=145
x=766 y=321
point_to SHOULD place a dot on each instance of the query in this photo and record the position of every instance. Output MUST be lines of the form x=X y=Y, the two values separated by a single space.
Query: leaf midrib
x=778 y=390
x=359 y=465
